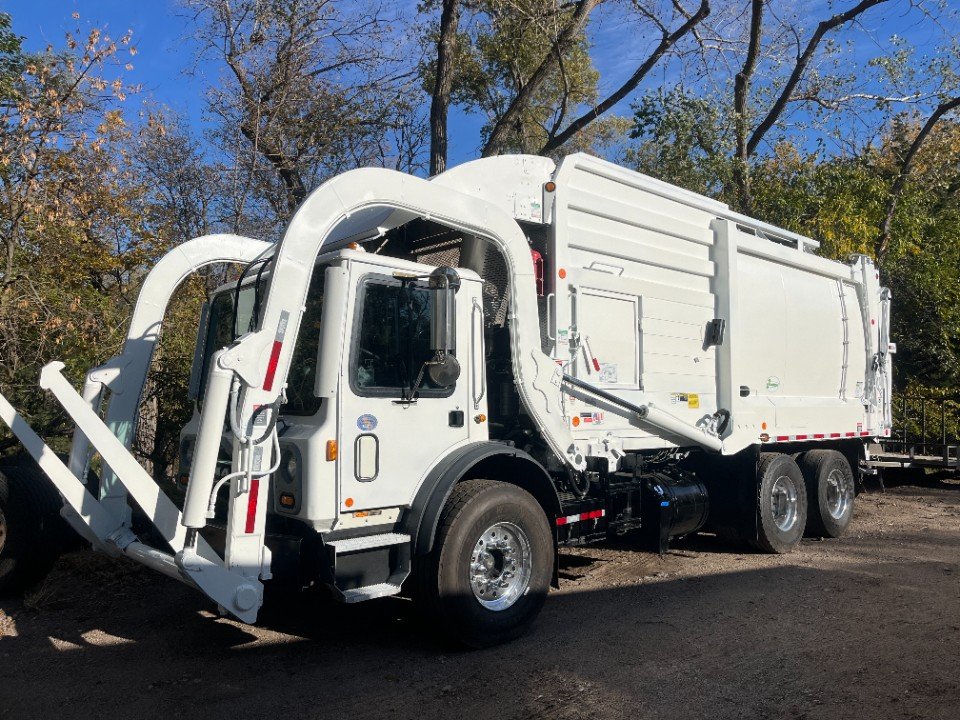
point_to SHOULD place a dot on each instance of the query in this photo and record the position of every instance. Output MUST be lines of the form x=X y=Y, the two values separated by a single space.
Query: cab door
x=395 y=421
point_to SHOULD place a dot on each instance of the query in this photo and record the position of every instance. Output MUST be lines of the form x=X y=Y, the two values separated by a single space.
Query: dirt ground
x=863 y=627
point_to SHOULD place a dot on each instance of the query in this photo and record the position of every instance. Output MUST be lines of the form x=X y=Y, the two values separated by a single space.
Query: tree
x=943 y=109
x=779 y=74
x=68 y=248
x=526 y=66
x=311 y=89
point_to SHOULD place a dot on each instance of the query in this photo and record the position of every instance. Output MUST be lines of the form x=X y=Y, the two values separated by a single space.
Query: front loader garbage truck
x=430 y=386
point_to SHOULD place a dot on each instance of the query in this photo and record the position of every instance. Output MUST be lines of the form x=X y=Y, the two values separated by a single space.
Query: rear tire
x=489 y=572
x=781 y=504
x=32 y=532
x=831 y=490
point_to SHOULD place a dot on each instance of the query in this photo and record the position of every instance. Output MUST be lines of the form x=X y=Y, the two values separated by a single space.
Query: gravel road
x=863 y=627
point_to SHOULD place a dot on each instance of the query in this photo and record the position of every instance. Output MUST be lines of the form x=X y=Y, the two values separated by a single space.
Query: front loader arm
x=126 y=374
x=104 y=521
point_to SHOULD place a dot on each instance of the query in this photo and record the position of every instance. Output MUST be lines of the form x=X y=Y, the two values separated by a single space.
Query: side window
x=303 y=365
x=392 y=341
x=219 y=334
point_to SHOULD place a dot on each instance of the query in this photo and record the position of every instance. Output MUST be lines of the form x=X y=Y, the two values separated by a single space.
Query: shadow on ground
x=870 y=639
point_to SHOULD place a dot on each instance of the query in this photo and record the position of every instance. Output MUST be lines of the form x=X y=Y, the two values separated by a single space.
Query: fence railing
x=924 y=425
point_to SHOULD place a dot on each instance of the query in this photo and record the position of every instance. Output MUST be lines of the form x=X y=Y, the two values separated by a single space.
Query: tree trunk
x=741 y=95
x=440 y=103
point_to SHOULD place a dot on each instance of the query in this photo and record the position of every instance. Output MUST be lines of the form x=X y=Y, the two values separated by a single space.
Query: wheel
x=830 y=492
x=781 y=504
x=489 y=572
x=31 y=529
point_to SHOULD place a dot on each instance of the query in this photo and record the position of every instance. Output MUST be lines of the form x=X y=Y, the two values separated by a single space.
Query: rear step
x=370 y=566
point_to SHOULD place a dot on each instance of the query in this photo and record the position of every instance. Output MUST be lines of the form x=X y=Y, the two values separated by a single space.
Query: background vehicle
x=435 y=383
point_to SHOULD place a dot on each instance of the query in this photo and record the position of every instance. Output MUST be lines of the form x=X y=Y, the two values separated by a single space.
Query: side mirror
x=444 y=283
x=444 y=370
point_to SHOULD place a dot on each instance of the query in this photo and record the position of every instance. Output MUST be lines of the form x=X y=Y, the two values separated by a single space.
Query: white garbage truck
x=429 y=386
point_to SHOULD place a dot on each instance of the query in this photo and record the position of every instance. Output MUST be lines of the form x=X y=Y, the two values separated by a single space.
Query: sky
x=166 y=68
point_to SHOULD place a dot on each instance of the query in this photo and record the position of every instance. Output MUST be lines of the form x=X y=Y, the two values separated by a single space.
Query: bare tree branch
x=803 y=60
x=526 y=93
x=667 y=42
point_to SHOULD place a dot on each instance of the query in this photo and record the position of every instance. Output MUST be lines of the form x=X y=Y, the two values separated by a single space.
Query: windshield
x=222 y=331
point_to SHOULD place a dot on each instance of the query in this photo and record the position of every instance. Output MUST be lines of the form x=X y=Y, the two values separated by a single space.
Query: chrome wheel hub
x=500 y=566
x=783 y=503
x=839 y=494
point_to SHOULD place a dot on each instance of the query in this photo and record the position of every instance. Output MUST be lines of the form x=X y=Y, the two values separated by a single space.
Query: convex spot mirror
x=444 y=370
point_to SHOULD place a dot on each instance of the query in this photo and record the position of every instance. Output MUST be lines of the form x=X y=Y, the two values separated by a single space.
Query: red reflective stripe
x=272 y=365
x=818 y=436
x=591 y=515
x=849 y=434
x=834 y=435
x=252 y=506
x=865 y=434
x=801 y=437
x=782 y=438
x=596 y=365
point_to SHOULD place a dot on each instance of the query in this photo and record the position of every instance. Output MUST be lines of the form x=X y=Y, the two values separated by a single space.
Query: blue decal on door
x=367 y=422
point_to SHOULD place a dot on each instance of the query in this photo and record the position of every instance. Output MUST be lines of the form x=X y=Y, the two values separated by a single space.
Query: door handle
x=476 y=338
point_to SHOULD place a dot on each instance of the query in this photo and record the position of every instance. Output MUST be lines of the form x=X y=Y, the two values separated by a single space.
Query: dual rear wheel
x=810 y=493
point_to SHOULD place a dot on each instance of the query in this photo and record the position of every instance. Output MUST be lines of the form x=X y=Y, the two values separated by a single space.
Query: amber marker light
x=550 y=186
x=331 y=450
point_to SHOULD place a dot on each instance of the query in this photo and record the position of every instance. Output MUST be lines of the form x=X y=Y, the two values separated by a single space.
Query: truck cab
x=360 y=389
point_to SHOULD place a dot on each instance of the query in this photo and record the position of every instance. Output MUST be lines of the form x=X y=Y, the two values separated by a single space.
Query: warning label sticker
x=691 y=400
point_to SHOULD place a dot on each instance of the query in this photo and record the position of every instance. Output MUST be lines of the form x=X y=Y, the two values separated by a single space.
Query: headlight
x=289 y=467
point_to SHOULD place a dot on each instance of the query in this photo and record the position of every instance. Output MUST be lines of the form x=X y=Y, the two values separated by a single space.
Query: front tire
x=781 y=504
x=489 y=572
x=830 y=491
x=31 y=530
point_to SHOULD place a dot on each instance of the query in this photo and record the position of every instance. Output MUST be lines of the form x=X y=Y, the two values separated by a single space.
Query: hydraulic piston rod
x=653 y=416
x=204 y=466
